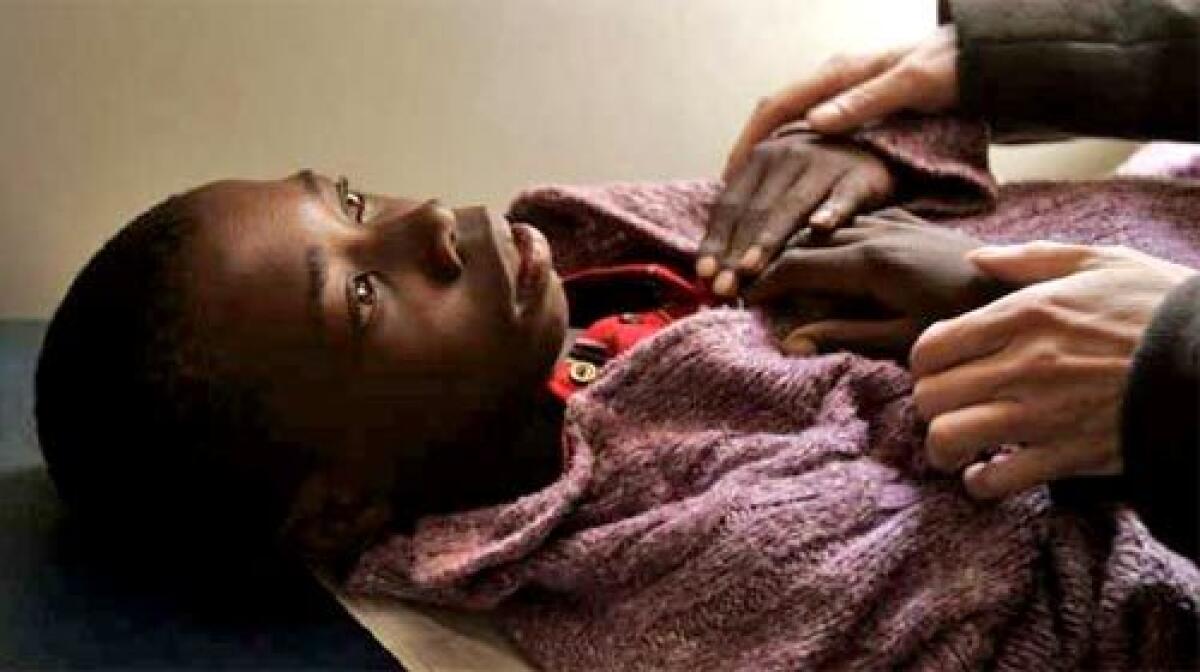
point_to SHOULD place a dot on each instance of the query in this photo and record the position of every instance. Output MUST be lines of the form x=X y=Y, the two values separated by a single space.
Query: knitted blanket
x=725 y=507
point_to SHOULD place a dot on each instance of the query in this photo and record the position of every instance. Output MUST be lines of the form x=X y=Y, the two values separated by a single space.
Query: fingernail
x=984 y=252
x=823 y=217
x=752 y=259
x=973 y=478
x=725 y=284
x=706 y=267
x=798 y=345
x=821 y=115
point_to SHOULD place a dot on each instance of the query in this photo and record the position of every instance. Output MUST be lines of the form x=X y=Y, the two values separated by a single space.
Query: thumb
x=877 y=97
x=1031 y=262
x=1012 y=472
x=887 y=335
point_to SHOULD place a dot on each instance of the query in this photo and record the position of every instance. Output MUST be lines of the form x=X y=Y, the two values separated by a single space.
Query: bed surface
x=63 y=608
x=428 y=639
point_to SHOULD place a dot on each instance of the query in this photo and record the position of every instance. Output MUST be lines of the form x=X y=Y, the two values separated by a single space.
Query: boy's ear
x=331 y=517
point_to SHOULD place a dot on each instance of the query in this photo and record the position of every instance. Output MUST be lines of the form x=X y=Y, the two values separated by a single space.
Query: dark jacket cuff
x=1160 y=440
x=1034 y=68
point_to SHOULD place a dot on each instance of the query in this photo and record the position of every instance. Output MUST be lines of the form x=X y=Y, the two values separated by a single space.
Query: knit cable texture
x=725 y=507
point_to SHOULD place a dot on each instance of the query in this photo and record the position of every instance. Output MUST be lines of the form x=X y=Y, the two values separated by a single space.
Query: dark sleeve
x=1118 y=68
x=1161 y=416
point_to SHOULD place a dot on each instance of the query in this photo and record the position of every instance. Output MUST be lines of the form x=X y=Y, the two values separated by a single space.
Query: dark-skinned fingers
x=847 y=235
x=787 y=215
x=809 y=238
x=772 y=190
x=796 y=345
x=768 y=115
x=725 y=214
x=957 y=438
x=835 y=270
x=890 y=335
x=895 y=214
x=853 y=193
x=1024 y=468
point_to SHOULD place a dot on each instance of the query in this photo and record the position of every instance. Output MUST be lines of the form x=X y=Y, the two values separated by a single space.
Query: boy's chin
x=555 y=321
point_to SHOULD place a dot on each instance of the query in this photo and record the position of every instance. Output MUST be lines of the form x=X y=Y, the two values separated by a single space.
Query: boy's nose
x=426 y=236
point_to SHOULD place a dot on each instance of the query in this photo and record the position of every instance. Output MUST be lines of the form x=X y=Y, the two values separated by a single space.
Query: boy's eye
x=353 y=203
x=362 y=298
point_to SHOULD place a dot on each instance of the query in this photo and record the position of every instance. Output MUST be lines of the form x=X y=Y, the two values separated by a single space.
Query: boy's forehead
x=248 y=199
x=250 y=252
x=257 y=223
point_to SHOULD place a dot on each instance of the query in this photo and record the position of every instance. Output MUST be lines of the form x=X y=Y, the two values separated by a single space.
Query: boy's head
x=252 y=352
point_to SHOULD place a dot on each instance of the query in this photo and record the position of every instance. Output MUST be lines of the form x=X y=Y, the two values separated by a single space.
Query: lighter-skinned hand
x=849 y=91
x=1043 y=369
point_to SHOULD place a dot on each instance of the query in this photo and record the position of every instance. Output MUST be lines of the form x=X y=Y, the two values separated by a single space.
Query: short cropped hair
x=143 y=425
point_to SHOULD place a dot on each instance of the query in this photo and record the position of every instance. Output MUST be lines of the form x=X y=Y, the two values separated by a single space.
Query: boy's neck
x=535 y=457
x=528 y=459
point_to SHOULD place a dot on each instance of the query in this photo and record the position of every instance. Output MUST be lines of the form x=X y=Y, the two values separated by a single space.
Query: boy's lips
x=533 y=268
x=524 y=255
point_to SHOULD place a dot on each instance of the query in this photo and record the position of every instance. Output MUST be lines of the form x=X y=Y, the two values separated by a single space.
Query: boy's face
x=385 y=328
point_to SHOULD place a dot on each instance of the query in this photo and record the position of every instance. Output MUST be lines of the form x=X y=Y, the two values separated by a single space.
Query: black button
x=589 y=350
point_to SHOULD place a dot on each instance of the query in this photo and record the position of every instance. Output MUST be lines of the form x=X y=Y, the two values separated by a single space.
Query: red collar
x=621 y=305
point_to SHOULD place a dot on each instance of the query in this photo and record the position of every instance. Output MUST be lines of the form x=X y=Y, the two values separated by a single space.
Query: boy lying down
x=391 y=386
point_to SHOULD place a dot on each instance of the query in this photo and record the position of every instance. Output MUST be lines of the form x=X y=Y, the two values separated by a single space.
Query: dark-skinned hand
x=907 y=273
x=788 y=183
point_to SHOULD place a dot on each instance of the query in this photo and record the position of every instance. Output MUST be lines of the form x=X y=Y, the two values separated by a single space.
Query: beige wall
x=108 y=106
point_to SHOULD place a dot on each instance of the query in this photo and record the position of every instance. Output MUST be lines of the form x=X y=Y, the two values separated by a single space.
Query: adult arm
x=1161 y=418
x=1100 y=67
x=1128 y=68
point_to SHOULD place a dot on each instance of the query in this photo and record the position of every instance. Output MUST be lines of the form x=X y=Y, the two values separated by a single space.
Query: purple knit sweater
x=725 y=507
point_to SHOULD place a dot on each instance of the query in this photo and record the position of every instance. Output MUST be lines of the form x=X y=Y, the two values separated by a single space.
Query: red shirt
x=621 y=305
